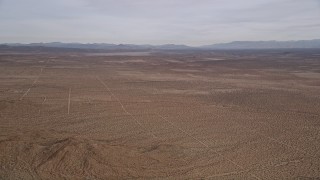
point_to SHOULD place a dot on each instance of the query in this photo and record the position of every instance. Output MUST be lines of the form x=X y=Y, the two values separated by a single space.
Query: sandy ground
x=199 y=115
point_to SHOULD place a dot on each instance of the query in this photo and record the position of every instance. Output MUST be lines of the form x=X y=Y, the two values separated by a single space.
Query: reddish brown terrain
x=166 y=115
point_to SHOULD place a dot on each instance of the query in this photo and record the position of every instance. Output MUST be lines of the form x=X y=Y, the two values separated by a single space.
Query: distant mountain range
x=266 y=45
x=232 y=45
x=103 y=46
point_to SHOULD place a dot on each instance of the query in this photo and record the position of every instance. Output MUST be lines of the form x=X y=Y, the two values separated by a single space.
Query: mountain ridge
x=315 y=43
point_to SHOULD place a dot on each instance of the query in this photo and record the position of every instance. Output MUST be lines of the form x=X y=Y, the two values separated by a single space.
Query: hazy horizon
x=154 y=44
x=188 y=22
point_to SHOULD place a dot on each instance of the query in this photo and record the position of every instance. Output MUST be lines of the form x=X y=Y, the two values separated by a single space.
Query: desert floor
x=163 y=115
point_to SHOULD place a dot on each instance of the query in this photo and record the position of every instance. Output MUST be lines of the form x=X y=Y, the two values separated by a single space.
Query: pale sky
x=191 y=22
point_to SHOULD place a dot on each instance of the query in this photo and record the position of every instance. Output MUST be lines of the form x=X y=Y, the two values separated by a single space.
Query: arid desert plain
x=250 y=114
